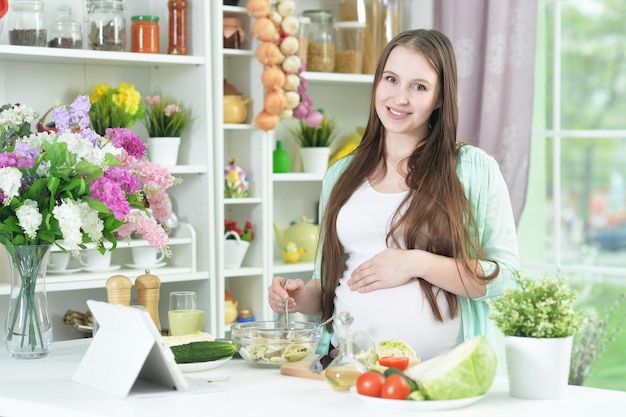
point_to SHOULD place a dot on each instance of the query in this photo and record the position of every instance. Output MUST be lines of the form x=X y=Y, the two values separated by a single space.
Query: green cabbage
x=466 y=371
x=396 y=347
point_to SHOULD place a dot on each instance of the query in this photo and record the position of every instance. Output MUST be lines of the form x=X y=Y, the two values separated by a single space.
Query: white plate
x=107 y=269
x=62 y=271
x=135 y=266
x=202 y=366
x=426 y=405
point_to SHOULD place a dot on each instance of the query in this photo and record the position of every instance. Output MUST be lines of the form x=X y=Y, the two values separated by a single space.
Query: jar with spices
x=349 y=56
x=178 y=31
x=27 y=23
x=320 y=34
x=65 y=32
x=144 y=34
x=234 y=35
x=107 y=25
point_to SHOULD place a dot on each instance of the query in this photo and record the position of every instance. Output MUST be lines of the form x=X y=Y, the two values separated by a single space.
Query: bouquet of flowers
x=165 y=117
x=231 y=228
x=115 y=107
x=77 y=186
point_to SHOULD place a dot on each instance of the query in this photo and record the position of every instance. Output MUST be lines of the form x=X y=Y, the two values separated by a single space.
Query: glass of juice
x=183 y=315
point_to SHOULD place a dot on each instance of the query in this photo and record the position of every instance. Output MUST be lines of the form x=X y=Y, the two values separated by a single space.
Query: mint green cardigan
x=489 y=197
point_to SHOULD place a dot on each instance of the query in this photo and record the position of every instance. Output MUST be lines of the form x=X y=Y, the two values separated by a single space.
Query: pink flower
x=128 y=140
x=153 y=99
x=112 y=195
x=171 y=109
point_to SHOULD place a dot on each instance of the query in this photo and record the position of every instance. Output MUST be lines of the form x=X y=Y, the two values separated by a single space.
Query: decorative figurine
x=236 y=183
x=292 y=253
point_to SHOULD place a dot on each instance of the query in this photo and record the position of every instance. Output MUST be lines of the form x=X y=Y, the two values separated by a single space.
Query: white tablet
x=126 y=347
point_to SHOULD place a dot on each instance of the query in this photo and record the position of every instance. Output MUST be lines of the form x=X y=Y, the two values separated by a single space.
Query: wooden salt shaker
x=119 y=289
x=148 y=292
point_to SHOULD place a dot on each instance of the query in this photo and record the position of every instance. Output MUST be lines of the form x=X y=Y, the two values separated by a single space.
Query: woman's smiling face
x=407 y=93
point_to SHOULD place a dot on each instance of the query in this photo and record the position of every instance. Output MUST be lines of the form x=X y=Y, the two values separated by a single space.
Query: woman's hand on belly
x=390 y=268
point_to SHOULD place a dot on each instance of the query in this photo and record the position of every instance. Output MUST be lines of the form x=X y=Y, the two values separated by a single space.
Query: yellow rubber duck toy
x=292 y=253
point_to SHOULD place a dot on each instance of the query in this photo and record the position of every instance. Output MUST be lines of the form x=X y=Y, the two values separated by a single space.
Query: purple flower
x=112 y=195
x=79 y=112
x=61 y=118
x=123 y=178
x=128 y=140
x=17 y=160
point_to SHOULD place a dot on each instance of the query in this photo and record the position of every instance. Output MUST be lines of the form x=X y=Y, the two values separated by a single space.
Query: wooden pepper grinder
x=118 y=289
x=148 y=292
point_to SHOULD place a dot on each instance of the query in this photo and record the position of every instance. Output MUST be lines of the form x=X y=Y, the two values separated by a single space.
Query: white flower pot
x=163 y=151
x=315 y=160
x=234 y=251
x=538 y=368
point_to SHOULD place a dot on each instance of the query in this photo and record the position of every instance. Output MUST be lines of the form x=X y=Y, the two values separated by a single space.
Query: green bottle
x=280 y=158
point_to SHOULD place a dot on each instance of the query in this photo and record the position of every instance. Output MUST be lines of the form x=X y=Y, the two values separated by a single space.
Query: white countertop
x=44 y=387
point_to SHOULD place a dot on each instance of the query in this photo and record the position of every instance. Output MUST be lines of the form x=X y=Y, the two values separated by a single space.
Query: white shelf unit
x=40 y=77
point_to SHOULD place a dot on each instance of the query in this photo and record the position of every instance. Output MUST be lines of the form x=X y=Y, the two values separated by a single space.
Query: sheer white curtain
x=495 y=44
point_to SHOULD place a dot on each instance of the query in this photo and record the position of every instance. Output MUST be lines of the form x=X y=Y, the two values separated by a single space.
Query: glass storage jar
x=178 y=30
x=27 y=23
x=107 y=25
x=320 y=34
x=144 y=34
x=65 y=32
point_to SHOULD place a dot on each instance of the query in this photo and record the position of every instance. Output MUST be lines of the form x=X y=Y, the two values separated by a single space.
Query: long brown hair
x=436 y=215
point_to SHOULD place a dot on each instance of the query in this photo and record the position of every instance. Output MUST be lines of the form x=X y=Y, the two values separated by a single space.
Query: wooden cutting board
x=300 y=369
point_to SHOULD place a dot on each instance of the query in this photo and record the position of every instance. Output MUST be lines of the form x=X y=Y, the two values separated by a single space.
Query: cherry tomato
x=398 y=362
x=370 y=383
x=395 y=387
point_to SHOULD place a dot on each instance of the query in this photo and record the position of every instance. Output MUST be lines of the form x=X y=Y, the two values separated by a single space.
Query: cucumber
x=409 y=380
x=203 y=351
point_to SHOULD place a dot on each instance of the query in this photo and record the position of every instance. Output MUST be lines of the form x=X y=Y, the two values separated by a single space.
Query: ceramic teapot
x=235 y=106
x=303 y=233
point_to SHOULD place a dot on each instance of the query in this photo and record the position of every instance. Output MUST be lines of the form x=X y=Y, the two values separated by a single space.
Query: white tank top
x=390 y=313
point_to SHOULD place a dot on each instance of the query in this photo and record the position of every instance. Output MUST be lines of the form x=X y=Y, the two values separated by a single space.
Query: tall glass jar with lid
x=27 y=23
x=106 y=28
x=65 y=32
x=320 y=34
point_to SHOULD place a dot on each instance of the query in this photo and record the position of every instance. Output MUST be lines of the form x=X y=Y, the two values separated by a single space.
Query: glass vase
x=28 y=327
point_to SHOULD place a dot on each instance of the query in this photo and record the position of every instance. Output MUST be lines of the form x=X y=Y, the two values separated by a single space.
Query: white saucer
x=107 y=269
x=157 y=265
x=62 y=271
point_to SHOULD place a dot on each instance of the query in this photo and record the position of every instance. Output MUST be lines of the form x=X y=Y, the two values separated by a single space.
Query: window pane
x=593 y=73
x=593 y=196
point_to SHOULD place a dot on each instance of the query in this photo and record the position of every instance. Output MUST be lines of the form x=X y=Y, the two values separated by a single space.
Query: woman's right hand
x=281 y=289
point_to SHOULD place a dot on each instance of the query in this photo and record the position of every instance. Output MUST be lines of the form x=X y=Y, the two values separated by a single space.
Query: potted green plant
x=315 y=142
x=538 y=321
x=165 y=120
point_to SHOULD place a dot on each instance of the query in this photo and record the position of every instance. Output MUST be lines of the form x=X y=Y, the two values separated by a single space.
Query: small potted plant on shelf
x=165 y=120
x=236 y=184
x=315 y=142
x=236 y=243
x=115 y=107
x=538 y=321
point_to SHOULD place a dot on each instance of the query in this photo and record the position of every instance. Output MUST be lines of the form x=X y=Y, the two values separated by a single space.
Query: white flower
x=16 y=116
x=91 y=223
x=29 y=217
x=83 y=149
x=10 y=181
x=68 y=216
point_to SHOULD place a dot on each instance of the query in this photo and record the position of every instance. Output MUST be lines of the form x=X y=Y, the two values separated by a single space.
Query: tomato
x=370 y=383
x=398 y=362
x=395 y=387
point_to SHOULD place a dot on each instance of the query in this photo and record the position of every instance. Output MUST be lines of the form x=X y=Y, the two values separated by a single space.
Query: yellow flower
x=233 y=176
x=99 y=91
x=127 y=98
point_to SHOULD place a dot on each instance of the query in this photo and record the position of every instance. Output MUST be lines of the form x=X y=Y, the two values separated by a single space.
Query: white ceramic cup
x=147 y=255
x=92 y=259
x=58 y=261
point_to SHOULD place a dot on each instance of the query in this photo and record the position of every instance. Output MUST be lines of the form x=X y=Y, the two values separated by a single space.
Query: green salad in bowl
x=270 y=343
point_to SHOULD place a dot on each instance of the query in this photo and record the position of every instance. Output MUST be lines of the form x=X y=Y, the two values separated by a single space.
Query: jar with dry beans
x=320 y=34
x=144 y=33
x=178 y=31
x=107 y=25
